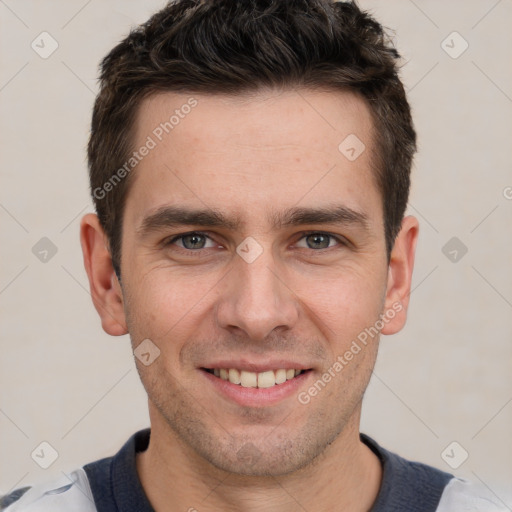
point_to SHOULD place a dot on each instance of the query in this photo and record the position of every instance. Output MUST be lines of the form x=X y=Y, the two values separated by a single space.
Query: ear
x=400 y=275
x=105 y=288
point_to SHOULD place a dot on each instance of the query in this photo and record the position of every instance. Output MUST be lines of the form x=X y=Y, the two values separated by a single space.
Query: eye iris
x=318 y=240
x=196 y=241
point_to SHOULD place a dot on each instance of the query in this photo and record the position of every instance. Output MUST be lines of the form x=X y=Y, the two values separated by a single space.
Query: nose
x=256 y=299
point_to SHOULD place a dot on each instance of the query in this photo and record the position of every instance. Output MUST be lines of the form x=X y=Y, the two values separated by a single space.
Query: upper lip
x=257 y=367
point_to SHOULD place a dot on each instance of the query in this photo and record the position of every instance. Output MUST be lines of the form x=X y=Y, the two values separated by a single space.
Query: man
x=249 y=163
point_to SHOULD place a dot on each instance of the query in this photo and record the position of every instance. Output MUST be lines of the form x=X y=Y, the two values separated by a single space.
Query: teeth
x=234 y=376
x=265 y=379
x=280 y=376
x=247 y=379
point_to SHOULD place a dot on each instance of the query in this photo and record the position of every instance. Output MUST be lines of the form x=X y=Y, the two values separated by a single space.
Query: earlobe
x=401 y=265
x=105 y=289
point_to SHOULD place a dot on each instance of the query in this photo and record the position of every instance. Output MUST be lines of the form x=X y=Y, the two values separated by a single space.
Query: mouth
x=261 y=380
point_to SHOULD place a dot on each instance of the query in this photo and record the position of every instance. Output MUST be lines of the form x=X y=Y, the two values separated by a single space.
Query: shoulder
x=95 y=486
x=68 y=493
x=464 y=496
x=409 y=486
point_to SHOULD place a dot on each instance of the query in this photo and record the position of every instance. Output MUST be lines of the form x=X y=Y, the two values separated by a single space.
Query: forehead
x=253 y=152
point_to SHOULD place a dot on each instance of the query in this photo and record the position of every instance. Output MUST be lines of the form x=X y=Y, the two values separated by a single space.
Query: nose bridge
x=256 y=299
x=261 y=283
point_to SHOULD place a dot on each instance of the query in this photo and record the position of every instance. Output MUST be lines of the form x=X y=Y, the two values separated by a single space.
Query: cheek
x=161 y=303
x=342 y=305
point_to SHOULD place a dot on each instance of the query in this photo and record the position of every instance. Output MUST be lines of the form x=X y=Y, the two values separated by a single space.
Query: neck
x=346 y=476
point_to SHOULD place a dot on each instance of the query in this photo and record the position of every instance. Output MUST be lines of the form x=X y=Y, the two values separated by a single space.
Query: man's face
x=269 y=290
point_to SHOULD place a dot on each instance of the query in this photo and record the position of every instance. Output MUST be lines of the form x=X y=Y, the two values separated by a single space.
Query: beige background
x=447 y=377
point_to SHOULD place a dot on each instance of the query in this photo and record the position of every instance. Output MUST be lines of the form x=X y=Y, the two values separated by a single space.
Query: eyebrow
x=174 y=216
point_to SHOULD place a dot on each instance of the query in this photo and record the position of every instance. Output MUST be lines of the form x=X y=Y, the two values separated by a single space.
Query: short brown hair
x=231 y=47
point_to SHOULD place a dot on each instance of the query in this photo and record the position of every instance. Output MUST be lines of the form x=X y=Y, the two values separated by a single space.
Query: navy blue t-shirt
x=406 y=486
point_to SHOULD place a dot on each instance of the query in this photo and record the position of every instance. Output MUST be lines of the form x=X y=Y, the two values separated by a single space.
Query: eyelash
x=191 y=252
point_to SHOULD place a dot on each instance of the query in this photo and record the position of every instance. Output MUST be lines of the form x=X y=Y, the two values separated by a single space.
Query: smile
x=247 y=379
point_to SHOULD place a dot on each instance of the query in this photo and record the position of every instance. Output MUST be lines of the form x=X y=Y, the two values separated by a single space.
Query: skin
x=252 y=156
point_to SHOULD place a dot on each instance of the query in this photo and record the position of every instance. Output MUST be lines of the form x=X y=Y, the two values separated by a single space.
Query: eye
x=192 y=241
x=319 y=240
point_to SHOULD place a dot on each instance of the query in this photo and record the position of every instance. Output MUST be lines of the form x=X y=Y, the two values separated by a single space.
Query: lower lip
x=257 y=397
